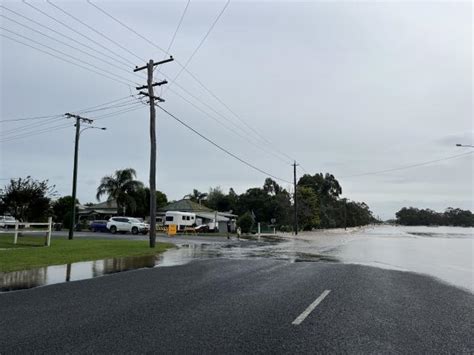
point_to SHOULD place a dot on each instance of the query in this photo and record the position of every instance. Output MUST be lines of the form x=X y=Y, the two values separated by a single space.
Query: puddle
x=185 y=253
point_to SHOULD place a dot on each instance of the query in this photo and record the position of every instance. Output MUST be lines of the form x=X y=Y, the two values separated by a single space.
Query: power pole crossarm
x=155 y=84
x=157 y=63
x=86 y=120
x=148 y=95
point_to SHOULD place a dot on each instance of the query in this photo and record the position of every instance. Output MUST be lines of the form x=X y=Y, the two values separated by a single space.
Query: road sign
x=172 y=229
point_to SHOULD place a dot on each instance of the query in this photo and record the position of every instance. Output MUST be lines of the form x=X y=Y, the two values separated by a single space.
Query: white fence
x=26 y=229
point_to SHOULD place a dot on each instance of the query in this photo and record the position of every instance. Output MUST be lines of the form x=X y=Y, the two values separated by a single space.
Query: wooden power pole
x=295 y=223
x=74 y=174
x=151 y=96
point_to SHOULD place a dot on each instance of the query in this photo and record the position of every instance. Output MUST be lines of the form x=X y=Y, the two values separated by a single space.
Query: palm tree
x=196 y=196
x=118 y=187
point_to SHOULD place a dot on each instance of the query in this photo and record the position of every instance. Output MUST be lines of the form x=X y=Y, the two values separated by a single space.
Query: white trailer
x=181 y=219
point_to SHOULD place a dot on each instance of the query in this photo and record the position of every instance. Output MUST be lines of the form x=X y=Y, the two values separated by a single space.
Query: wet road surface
x=275 y=295
x=241 y=306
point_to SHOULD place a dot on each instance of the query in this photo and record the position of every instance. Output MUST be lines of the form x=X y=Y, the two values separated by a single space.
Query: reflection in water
x=18 y=280
x=258 y=248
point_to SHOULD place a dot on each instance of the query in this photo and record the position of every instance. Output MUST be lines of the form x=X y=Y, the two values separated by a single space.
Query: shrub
x=245 y=222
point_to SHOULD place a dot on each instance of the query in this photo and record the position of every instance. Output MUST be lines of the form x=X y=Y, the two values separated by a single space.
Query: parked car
x=203 y=228
x=98 y=226
x=127 y=224
x=7 y=222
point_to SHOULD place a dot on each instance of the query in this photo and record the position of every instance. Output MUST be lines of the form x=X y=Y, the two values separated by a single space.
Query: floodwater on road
x=442 y=252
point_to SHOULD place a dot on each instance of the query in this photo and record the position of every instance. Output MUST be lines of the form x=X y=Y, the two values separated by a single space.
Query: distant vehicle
x=181 y=219
x=7 y=222
x=203 y=228
x=98 y=226
x=127 y=224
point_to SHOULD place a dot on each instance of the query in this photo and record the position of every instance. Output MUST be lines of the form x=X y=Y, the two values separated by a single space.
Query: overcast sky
x=342 y=87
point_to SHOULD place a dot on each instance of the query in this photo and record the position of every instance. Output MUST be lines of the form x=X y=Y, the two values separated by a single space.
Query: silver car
x=7 y=222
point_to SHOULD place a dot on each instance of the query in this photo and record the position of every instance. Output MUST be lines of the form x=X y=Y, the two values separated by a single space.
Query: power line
x=67 y=55
x=67 y=44
x=303 y=169
x=227 y=127
x=266 y=141
x=127 y=27
x=34 y=126
x=118 y=105
x=409 y=166
x=130 y=109
x=65 y=36
x=28 y=118
x=103 y=104
x=93 y=29
x=62 y=126
x=174 y=36
x=176 y=31
x=77 y=32
x=46 y=130
x=29 y=126
x=220 y=147
x=215 y=111
x=60 y=114
x=201 y=42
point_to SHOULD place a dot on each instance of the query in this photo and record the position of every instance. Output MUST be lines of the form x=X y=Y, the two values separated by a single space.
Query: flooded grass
x=63 y=251
x=185 y=253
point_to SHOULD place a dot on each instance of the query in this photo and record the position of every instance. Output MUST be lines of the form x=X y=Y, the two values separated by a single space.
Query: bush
x=245 y=222
x=286 y=228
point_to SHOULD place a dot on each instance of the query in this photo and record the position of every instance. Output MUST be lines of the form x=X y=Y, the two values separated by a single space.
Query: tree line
x=319 y=204
x=412 y=216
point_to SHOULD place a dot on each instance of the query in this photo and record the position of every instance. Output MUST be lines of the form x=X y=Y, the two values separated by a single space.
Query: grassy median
x=29 y=252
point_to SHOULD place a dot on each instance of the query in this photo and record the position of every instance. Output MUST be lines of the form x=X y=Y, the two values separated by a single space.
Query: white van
x=181 y=219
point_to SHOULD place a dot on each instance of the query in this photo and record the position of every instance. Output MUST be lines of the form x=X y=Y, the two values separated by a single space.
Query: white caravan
x=181 y=219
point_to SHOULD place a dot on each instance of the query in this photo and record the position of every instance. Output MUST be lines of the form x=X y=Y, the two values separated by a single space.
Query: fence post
x=258 y=230
x=15 y=238
x=48 y=234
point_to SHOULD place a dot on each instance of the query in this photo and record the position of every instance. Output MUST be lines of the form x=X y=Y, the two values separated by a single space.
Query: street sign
x=172 y=229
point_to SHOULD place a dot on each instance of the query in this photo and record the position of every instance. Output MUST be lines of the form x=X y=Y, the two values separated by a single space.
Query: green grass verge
x=29 y=252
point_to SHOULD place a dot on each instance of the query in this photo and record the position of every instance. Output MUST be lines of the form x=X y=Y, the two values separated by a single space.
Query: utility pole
x=295 y=223
x=345 y=214
x=74 y=174
x=150 y=84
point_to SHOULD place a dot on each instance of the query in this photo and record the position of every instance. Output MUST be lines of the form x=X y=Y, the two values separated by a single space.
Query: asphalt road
x=241 y=306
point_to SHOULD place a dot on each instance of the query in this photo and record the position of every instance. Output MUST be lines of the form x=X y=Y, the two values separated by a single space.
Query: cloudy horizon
x=348 y=88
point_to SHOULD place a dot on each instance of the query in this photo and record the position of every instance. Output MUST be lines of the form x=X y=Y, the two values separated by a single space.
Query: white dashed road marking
x=310 y=308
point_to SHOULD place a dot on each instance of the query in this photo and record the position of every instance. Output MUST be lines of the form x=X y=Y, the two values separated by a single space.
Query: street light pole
x=76 y=157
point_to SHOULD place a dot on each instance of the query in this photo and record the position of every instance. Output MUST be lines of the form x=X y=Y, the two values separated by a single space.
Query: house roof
x=184 y=205
x=105 y=207
x=112 y=204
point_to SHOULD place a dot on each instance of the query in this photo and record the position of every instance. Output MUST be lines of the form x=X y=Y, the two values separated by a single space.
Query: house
x=102 y=210
x=226 y=221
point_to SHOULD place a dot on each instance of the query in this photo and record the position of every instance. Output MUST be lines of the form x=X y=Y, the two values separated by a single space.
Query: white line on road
x=310 y=308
